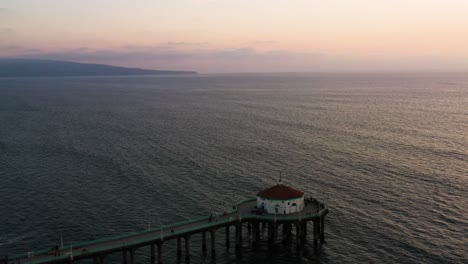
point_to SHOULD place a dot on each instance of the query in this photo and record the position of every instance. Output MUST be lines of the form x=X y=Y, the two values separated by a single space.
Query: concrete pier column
x=213 y=246
x=304 y=230
x=270 y=232
x=95 y=260
x=187 y=246
x=102 y=259
x=160 y=253
x=179 y=250
x=227 y=236
x=298 y=236
x=238 y=235
x=322 y=230
x=257 y=231
x=204 y=242
x=132 y=256
x=254 y=233
x=240 y=232
x=275 y=231
x=284 y=229
x=153 y=254
x=124 y=257
x=316 y=231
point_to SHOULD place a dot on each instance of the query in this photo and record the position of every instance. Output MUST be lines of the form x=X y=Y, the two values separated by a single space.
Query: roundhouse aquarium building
x=281 y=199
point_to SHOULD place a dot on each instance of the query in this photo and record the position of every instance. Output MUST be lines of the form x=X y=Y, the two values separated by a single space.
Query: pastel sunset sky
x=242 y=35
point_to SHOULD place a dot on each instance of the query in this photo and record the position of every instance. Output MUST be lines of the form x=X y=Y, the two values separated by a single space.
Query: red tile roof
x=280 y=192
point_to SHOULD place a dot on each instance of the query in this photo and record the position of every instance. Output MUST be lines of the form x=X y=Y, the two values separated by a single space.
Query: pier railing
x=121 y=241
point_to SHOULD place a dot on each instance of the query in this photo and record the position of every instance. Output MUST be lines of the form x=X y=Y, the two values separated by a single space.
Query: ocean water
x=93 y=157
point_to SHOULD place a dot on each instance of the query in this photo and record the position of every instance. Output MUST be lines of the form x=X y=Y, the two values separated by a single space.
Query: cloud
x=201 y=59
x=5 y=31
x=183 y=44
x=243 y=59
x=168 y=45
x=6 y=13
x=10 y=48
x=264 y=42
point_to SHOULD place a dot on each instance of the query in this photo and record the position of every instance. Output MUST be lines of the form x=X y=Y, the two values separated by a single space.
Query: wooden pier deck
x=126 y=244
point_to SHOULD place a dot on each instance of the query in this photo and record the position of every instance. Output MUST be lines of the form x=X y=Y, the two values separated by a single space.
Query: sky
x=242 y=35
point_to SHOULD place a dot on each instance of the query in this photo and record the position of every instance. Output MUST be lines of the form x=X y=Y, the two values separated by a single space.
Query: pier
x=245 y=216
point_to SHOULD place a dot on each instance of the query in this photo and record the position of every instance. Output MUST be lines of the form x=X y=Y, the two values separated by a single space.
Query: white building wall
x=284 y=207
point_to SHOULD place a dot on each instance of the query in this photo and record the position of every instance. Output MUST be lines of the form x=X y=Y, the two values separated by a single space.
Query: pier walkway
x=98 y=249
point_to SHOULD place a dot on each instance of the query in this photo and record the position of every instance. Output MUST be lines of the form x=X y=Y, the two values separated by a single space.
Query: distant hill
x=39 y=68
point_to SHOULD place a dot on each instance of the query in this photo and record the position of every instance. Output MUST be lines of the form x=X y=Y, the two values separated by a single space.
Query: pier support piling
x=179 y=250
x=160 y=253
x=304 y=230
x=240 y=232
x=238 y=235
x=322 y=230
x=298 y=236
x=227 y=237
x=284 y=229
x=187 y=247
x=132 y=256
x=213 y=248
x=124 y=257
x=257 y=231
x=153 y=254
x=204 y=242
x=316 y=232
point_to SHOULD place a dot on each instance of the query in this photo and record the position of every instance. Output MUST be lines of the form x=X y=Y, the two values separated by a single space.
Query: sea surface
x=90 y=157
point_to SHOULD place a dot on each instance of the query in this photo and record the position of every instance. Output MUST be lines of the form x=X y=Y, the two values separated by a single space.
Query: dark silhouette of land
x=41 y=68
